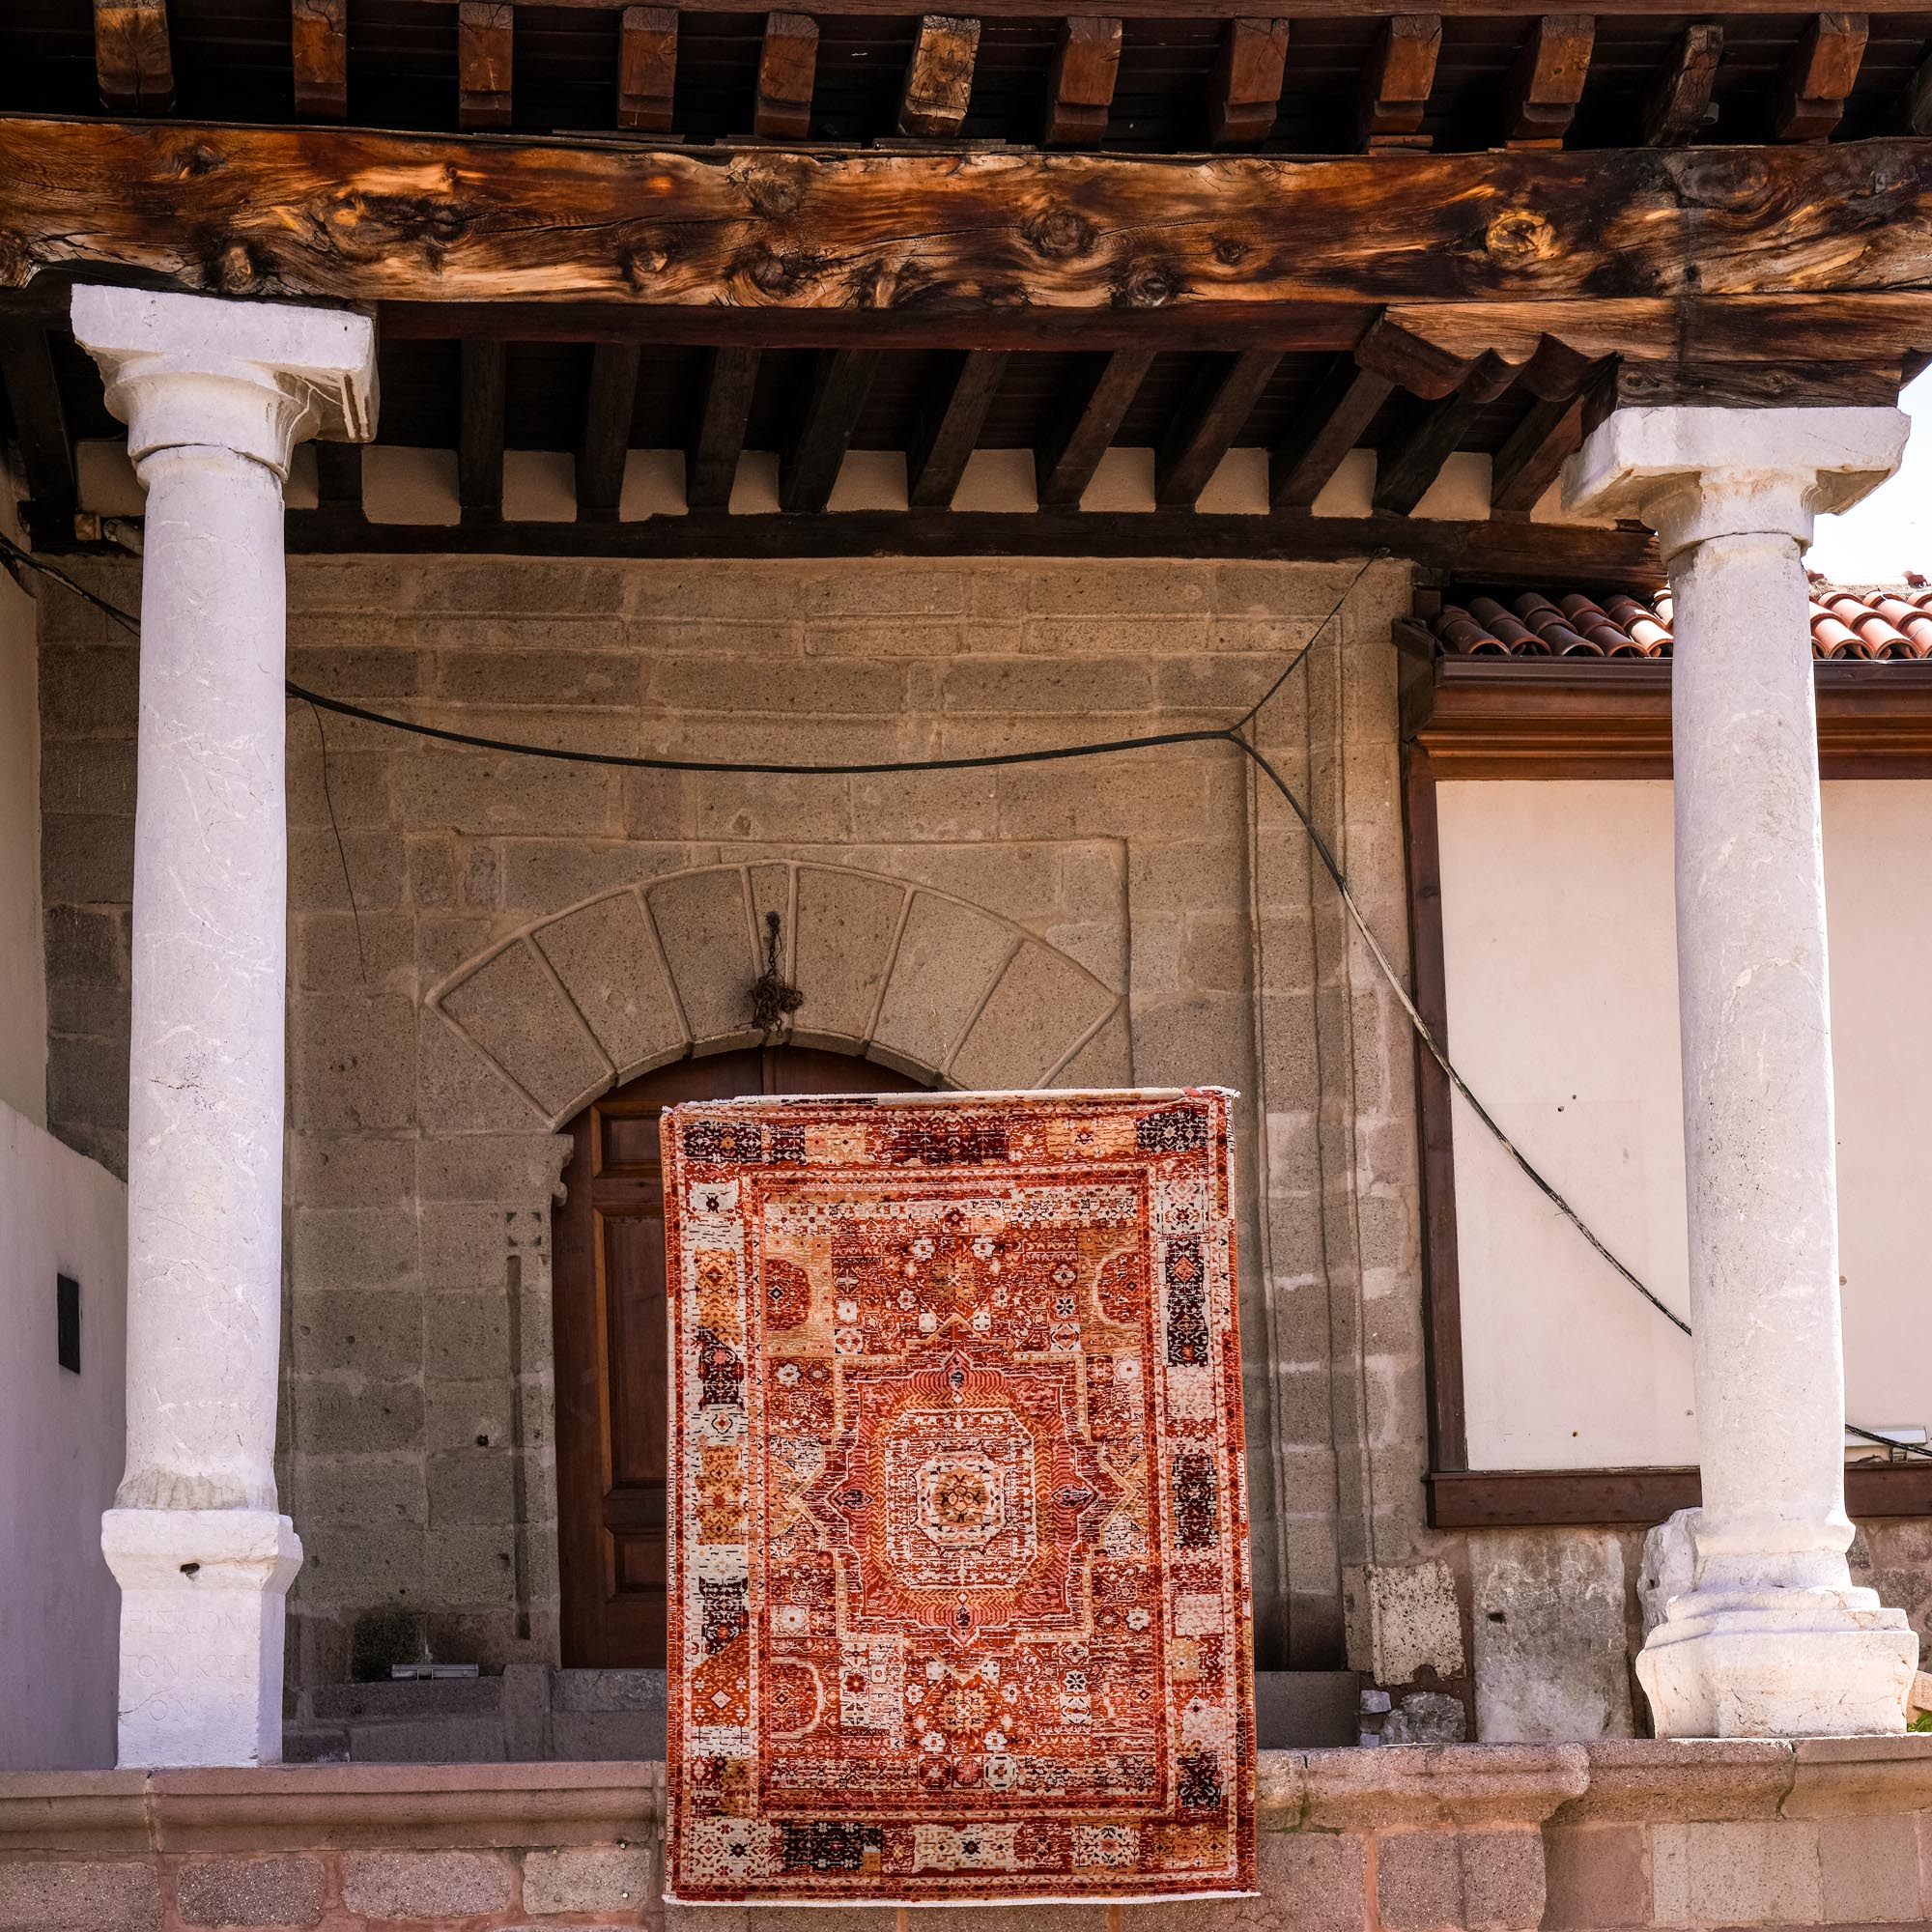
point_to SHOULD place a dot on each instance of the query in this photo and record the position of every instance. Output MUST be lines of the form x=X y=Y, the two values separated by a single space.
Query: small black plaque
x=67 y=1317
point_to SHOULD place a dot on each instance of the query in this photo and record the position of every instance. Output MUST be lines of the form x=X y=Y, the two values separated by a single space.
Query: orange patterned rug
x=958 y=1523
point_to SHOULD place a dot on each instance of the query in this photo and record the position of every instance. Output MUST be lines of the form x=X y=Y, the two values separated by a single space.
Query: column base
x=1779 y=1663
x=202 y=1596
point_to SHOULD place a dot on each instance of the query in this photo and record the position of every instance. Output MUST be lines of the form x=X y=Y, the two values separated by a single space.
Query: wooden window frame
x=1507 y=718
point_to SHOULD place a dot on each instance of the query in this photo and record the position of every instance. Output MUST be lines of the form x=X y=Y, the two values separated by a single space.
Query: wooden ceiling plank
x=1679 y=103
x=1547 y=81
x=1084 y=423
x=938 y=85
x=646 y=69
x=1216 y=409
x=1396 y=85
x=39 y=423
x=949 y=431
x=787 y=68
x=1345 y=401
x=133 y=59
x=1533 y=455
x=319 y=52
x=1431 y=434
x=841 y=379
x=485 y=37
x=604 y=439
x=711 y=466
x=480 y=424
x=1244 y=89
x=1819 y=78
x=1080 y=84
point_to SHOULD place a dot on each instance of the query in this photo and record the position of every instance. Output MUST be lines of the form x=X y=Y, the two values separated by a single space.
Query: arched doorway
x=607 y=1313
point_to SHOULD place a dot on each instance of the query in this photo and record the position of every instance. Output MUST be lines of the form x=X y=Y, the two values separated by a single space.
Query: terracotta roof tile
x=1845 y=623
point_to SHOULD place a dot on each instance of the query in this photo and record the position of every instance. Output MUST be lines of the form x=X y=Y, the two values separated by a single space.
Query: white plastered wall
x=1560 y=960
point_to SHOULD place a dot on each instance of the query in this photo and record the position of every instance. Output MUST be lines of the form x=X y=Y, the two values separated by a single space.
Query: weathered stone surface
x=1549 y=1622
x=589 y=1880
x=1403 y=1621
x=1032 y=1020
x=1871 y=1869
x=947 y=957
x=1418 y=1880
x=608 y=959
x=703 y=921
x=515 y=1014
x=1736 y=1875
x=847 y=922
x=1597 y=1876
x=97 y=1895
x=424 y=1884
x=250 y=1891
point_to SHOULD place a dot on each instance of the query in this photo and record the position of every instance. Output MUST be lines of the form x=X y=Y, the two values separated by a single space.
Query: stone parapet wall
x=1609 y=1838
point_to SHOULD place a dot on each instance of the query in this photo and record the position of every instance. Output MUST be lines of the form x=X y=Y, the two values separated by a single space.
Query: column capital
x=1694 y=471
x=255 y=378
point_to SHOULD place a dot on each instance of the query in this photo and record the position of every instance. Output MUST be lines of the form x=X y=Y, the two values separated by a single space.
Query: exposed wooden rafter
x=605 y=442
x=1547 y=82
x=809 y=465
x=947 y=429
x=939 y=77
x=1431 y=432
x=711 y=464
x=646 y=69
x=1534 y=455
x=1679 y=103
x=787 y=69
x=1347 y=400
x=485 y=33
x=1084 y=425
x=479 y=447
x=1080 y=84
x=1204 y=429
x=1819 y=78
x=338 y=477
x=1395 y=84
x=133 y=60
x=319 y=52
x=1244 y=90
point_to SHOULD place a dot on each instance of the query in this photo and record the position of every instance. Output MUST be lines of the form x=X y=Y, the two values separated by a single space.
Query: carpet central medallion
x=959 y=1594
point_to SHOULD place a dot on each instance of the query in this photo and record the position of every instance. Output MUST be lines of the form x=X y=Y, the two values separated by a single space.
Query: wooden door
x=610 y=1323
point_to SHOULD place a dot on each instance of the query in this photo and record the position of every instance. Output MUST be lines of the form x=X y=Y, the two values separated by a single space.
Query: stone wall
x=523 y=934
x=1489 y=1839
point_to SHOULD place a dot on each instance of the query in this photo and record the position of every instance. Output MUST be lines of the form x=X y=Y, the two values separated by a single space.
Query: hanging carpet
x=959 y=1603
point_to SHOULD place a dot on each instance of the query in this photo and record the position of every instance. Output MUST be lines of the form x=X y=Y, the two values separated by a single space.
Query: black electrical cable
x=1232 y=734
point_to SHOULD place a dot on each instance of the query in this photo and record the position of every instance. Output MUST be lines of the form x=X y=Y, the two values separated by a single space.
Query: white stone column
x=1771 y=1639
x=215 y=395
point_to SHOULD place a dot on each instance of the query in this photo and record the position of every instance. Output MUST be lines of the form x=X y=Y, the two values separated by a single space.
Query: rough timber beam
x=996 y=249
x=319 y=56
x=132 y=57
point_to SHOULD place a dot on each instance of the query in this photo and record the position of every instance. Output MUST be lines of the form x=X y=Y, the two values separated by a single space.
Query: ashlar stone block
x=518 y=1016
x=1032 y=1020
x=948 y=956
x=608 y=959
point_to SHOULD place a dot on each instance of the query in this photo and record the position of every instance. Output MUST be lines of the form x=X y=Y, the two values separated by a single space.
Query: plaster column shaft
x=1771 y=1639
x=215 y=395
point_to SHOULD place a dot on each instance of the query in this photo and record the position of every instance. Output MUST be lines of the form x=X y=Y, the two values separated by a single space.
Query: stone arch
x=584 y=999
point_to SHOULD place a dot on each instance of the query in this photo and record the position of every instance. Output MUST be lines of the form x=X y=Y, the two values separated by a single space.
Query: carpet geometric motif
x=959 y=1603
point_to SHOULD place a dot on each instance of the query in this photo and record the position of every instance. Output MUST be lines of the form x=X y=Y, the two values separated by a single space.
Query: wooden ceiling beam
x=1080 y=84
x=1679 y=101
x=1292 y=10
x=809 y=466
x=1244 y=89
x=133 y=59
x=711 y=464
x=787 y=69
x=40 y=425
x=485 y=35
x=604 y=442
x=1430 y=435
x=1819 y=78
x=1533 y=455
x=1395 y=86
x=948 y=431
x=1547 y=81
x=646 y=69
x=1084 y=423
x=1204 y=429
x=1332 y=422
x=938 y=84
x=480 y=426
x=319 y=52
x=992 y=249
